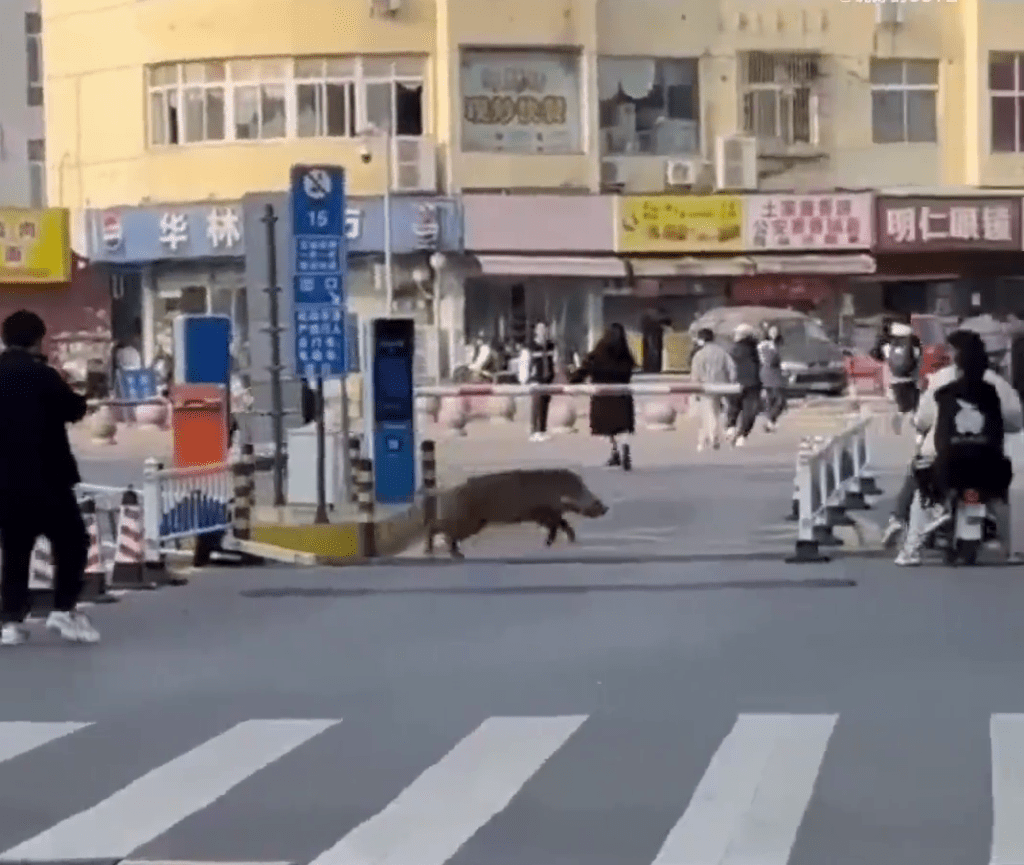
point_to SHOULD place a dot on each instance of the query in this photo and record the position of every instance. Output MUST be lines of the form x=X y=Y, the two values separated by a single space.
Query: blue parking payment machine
x=202 y=349
x=389 y=353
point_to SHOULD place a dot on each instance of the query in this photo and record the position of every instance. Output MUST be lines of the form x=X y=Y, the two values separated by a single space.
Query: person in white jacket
x=924 y=520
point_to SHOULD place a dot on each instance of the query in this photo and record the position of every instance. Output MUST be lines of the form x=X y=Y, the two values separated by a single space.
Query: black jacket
x=35 y=406
x=748 y=362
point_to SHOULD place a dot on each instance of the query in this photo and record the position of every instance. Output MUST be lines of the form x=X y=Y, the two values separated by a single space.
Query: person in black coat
x=611 y=415
x=38 y=474
x=744 y=407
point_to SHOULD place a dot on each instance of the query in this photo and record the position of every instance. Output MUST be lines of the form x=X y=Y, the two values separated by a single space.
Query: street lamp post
x=384 y=135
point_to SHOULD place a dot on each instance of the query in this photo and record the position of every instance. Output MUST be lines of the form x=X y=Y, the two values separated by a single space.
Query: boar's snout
x=594 y=507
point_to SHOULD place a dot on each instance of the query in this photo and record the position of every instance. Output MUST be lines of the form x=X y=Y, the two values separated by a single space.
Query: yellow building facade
x=188 y=100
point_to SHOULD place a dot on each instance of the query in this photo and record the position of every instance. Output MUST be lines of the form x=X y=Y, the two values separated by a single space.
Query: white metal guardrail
x=637 y=389
x=182 y=503
x=832 y=477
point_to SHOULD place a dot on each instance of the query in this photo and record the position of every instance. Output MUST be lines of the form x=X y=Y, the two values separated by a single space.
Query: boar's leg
x=570 y=532
x=453 y=548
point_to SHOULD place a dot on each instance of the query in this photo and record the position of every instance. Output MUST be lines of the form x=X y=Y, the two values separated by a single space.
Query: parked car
x=811 y=361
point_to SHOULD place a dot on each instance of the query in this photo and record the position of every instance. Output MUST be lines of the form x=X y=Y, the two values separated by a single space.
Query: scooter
x=970 y=528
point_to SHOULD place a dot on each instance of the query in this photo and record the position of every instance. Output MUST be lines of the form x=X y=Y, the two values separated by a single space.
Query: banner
x=680 y=223
x=35 y=246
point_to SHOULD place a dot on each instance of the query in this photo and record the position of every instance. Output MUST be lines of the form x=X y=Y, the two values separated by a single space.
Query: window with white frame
x=37 y=172
x=275 y=98
x=34 y=57
x=325 y=97
x=778 y=97
x=904 y=97
x=648 y=106
x=1006 y=100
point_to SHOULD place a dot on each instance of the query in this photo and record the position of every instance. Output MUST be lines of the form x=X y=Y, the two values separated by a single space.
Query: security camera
x=365 y=154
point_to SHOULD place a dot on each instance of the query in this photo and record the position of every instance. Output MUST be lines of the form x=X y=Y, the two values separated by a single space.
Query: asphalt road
x=513 y=715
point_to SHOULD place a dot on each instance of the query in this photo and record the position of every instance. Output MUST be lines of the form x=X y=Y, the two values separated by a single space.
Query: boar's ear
x=569 y=503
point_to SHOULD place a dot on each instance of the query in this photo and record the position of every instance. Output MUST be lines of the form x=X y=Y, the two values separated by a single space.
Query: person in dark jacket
x=538 y=363
x=38 y=474
x=772 y=377
x=744 y=407
x=652 y=330
x=611 y=415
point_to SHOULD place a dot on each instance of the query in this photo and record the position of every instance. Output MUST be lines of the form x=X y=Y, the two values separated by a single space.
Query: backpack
x=901 y=356
x=968 y=416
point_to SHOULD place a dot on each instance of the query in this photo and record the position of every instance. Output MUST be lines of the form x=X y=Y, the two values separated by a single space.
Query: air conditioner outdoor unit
x=681 y=172
x=610 y=174
x=889 y=13
x=736 y=162
x=414 y=165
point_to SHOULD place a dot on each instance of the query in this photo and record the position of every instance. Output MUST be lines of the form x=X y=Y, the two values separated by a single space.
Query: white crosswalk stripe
x=754 y=792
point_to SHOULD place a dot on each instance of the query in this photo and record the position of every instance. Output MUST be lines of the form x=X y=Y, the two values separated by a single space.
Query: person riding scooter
x=964 y=416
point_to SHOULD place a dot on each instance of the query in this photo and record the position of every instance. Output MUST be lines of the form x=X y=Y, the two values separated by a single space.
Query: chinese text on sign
x=910 y=224
x=809 y=221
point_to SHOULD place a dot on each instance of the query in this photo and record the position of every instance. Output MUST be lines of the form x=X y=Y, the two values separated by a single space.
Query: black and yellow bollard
x=428 y=467
x=355 y=452
x=244 y=472
x=365 y=503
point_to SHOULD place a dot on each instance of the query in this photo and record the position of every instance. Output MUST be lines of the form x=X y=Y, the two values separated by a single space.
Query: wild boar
x=541 y=496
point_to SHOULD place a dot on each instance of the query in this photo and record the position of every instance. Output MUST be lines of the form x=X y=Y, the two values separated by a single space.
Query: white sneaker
x=908 y=560
x=74 y=627
x=700 y=446
x=892 y=530
x=538 y=437
x=742 y=440
x=12 y=634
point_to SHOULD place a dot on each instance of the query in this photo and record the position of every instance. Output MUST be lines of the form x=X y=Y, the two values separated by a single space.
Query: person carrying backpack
x=902 y=353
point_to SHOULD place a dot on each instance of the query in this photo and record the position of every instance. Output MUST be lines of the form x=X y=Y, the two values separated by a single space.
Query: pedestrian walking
x=38 y=474
x=537 y=365
x=772 y=379
x=711 y=364
x=744 y=407
x=611 y=415
x=902 y=352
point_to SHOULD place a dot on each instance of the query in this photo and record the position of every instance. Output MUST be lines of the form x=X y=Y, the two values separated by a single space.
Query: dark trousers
x=743 y=409
x=539 y=412
x=905 y=497
x=774 y=403
x=23 y=518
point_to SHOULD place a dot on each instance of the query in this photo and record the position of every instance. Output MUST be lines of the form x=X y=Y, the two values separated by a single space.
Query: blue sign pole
x=319 y=270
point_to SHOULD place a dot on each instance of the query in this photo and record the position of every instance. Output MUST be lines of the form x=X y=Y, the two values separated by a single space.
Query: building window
x=1006 y=90
x=34 y=57
x=325 y=98
x=778 y=96
x=524 y=102
x=648 y=106
x=275 y=98
x=202 y=101
x=259 y=88
x=904 y=96
x=37 y=172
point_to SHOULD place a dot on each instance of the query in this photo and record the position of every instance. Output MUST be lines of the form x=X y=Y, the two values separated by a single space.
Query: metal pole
x=436 y=306
x=321 y=456
x=274 y=314
x=346 y=434
x=389 y=282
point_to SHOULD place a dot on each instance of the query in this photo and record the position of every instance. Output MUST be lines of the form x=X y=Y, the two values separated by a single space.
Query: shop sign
x=35 y=246
x=680 y=223
x=808 y=222
x=938 y=224
x=520 y=101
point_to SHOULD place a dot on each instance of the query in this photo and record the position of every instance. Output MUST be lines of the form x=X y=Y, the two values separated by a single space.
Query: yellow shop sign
x=680 y=223
x=35 y=246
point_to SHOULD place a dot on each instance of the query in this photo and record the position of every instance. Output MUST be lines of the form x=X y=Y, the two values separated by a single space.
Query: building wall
x=96 y=98
x=19 y=121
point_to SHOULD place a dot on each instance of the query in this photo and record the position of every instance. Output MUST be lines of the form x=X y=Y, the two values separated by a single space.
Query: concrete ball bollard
x=453 y=415
x=103 y=427
x=428 y=406
x=659 y=414
x=501 y=409
x=562 y=415
x=154 y=415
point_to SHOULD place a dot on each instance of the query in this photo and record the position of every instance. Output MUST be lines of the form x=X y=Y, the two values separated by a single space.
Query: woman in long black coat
x=611 y=415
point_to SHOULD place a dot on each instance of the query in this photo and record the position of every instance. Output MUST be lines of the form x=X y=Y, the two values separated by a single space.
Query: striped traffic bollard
x=805 y=448
x=130 y=553
x=95 y=587
x=355 y=451
x=428 y=461
x=365 y=504
x=40 y=569
x=244 y=472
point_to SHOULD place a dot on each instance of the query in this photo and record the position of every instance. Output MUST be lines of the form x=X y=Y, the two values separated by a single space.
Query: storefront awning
x=552 y=265
x=749 y=265
x=814 y=264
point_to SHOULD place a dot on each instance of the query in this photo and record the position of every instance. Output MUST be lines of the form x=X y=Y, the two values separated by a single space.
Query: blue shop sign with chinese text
x=131 y=235
x=418 y=223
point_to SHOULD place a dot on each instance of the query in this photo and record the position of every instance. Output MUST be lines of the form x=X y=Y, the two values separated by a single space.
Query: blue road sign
x=319 y=267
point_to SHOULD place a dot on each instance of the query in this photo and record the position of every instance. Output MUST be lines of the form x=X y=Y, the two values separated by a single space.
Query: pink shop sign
x=823 y=221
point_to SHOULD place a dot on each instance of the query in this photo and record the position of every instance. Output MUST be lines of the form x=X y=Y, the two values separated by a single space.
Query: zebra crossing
x=748 y=806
